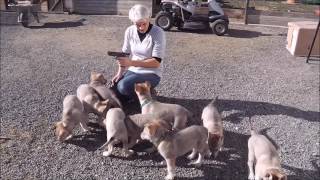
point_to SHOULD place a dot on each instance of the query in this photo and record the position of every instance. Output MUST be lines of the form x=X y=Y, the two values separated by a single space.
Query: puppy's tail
x=252 y=131
x=215 y=100
x=106 y=144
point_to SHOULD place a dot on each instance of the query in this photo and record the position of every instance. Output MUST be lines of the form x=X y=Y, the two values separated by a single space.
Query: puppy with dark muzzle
x=72 y=115
x=98 y=82
x=176 y=115
x=212 y=120
x=128 y=131
x=172 y=144
x=92 y=102
x=265 y=156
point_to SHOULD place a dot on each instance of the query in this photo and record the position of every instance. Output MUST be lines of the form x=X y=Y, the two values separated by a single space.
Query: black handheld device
x=118 y=54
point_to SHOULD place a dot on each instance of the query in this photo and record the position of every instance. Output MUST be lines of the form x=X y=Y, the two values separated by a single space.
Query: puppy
x=116 y=131
x=266 y=158
x=92 y=102
x=72 y=115
x=172 y=144
x=98 y=82
x=212 y=121
x=174 y=114
x=135 y=124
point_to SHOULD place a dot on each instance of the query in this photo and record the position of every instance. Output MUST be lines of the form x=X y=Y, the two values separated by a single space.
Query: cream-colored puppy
x=212 y=120
x=72 y=115
x=116 y=131
x=266 y=158
x=172 y=144
x=176 y=115
x=92 y=102
x=135 y=124
x=98 y=82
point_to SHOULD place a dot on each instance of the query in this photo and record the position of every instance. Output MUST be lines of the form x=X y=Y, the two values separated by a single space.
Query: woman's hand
x=115 y=79
x=124 y=61
x=118 y=76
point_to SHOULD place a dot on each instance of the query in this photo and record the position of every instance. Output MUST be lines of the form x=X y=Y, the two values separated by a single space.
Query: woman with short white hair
x=146 y=44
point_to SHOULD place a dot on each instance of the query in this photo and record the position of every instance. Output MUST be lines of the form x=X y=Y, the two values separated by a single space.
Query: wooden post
x=246 y=12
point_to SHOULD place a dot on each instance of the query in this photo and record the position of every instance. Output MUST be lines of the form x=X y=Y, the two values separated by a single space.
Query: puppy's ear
x=274 y=174
x=163 y=124
x=93 y=75
x=152 y=128
x=137 y=87
x=106 y=102
x=147 y=84
x=64 y=124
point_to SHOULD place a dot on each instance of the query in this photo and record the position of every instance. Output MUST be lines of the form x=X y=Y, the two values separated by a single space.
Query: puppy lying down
x=172 y=144
x=267 y=162
x=72 y=115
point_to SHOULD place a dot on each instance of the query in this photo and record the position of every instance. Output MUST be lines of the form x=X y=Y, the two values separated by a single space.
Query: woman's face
x=142 y=25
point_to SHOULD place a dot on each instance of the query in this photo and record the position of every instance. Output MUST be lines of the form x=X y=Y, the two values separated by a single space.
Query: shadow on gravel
x=68 y=24
x=244 y=109
x=90 y=141
x=251 y=108
x=236 y=33
x=240 y=33
x=198 y=31
x=302 y=173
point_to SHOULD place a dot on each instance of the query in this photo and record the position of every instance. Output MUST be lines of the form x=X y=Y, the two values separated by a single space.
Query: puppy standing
x=92 y=102
x=172 y=144
x=72 y=115
x=212 y=121
x=266 y=158
x=116 y=131
x=135 y=124
x=174 y=114
x=98 y=82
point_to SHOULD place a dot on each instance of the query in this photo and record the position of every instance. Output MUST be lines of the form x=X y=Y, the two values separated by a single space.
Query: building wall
x=111 y=7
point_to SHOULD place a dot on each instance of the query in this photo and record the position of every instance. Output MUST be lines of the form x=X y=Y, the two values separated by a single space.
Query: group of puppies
x=164 y=125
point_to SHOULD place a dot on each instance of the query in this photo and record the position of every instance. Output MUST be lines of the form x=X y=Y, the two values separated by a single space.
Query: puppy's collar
x=146 y=102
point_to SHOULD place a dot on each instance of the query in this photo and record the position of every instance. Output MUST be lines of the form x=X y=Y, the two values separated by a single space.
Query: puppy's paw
x=128 y=153
x=163 y=163
x=169 y=177
x=191 y=156
x=151 y=150
x=69 y=137
x=208 y=154
x=197 y=164
x=106 y=153
x=251 y=176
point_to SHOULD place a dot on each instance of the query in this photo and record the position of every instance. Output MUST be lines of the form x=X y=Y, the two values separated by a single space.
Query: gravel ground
x=249 y=69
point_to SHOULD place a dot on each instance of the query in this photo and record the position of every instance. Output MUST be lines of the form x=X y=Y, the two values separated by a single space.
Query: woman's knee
x=124 y=88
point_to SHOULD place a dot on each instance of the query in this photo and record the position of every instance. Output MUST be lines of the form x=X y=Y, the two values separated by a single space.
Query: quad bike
x=183 y=15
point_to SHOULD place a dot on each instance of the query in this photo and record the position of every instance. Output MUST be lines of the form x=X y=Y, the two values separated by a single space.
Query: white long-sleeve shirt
x=153 y=45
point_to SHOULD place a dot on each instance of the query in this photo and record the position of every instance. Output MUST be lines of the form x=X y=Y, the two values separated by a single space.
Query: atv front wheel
x=219 y=27
x=164 y=20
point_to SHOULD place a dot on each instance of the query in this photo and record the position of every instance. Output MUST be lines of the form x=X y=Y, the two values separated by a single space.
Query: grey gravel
x=250 y=71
